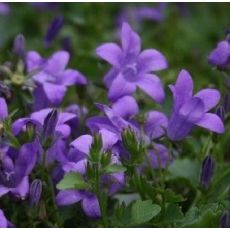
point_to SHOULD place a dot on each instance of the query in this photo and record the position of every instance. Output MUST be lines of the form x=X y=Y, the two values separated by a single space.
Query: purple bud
x=67 y=44
x=53 y=30
x=227 y=103
x=35 y=192
x=50 y=124
x=19 y=46
x=221 y=112
x=225 y=220
x=207 y=171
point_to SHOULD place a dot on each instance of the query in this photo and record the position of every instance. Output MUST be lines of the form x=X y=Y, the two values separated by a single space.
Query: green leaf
x=143 y=211
x=72 y=180
x=185 y=168
x=173 y=213
x=114 y=168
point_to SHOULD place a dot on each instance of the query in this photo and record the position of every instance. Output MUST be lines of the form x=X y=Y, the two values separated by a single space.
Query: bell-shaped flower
x=190 y=111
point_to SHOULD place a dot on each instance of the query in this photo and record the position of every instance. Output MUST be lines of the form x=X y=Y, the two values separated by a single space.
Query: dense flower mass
x=69 y=157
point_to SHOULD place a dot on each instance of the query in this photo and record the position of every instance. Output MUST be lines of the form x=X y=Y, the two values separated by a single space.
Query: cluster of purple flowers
x=52 y=141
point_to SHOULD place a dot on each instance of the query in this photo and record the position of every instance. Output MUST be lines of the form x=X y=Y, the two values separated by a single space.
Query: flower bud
x=225 y=220
x=50 y=124
x=53 y=30
x=35 y=192
x=207 y=171
x=221 y=113
x=19 y=46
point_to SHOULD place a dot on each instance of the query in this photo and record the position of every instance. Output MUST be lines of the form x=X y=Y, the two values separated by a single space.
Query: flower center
x=130 y=72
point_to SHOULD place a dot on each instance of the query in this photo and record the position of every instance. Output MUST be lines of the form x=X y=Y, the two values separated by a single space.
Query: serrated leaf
x=143 y=211
x=173 y=213
x=114 y=168
x=72 y=180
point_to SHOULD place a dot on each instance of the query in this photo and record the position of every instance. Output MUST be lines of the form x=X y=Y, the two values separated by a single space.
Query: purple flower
x=207 y=171
x=4 y=9
x=88 y=200
x=53 y=30
x=189 y=110
x=220 y=56
x=76 y=161
x=15 y=169
x=131 y=69
x=135 y=15
x=51 y=78
x=45 y=5
x=159 y=156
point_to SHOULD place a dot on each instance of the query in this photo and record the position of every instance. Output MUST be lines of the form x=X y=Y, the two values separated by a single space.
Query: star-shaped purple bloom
x=189 y=111
x=15 y=169
x=131 y=67
x=51 y=78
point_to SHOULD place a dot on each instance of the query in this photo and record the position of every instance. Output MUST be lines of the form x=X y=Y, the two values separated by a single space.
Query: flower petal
x=151 y=85
x=108 y=139
x=3 y=220
x=67 y=197
x=125 y=107
x=3 y=190
x=120 y=87
x=22 y=189
x=3 y=109
x=55 y=93
x=91 y=206
x=110 y=76
x=110 y=52
x=131 y=42
x=57 y=62
x=192 y=110
x=156 y=124
x=151 y=60
x=79 y=167
x=83 y=143
x=182 y=90
x=71 y=77
x=220 y=55
x=211 y=122
x=210 y=98
x=33 y=60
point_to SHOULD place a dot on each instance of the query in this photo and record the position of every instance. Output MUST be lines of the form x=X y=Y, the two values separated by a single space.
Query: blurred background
x=184 y=32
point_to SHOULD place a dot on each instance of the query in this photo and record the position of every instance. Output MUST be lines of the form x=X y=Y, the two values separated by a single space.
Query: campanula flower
x=131 y=67
x=15 y=169
x=220 y=56
x=76 y=161
x=189 y=111
x=51 y=78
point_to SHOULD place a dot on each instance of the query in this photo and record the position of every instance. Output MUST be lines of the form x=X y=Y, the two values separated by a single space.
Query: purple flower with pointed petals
x=51 y=78
x=15 y=169
x=89 y=201
x=131 y=68
x=53 y=30
x=189 y=110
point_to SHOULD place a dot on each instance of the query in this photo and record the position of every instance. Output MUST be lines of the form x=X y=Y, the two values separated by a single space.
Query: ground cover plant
x=114 y=115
